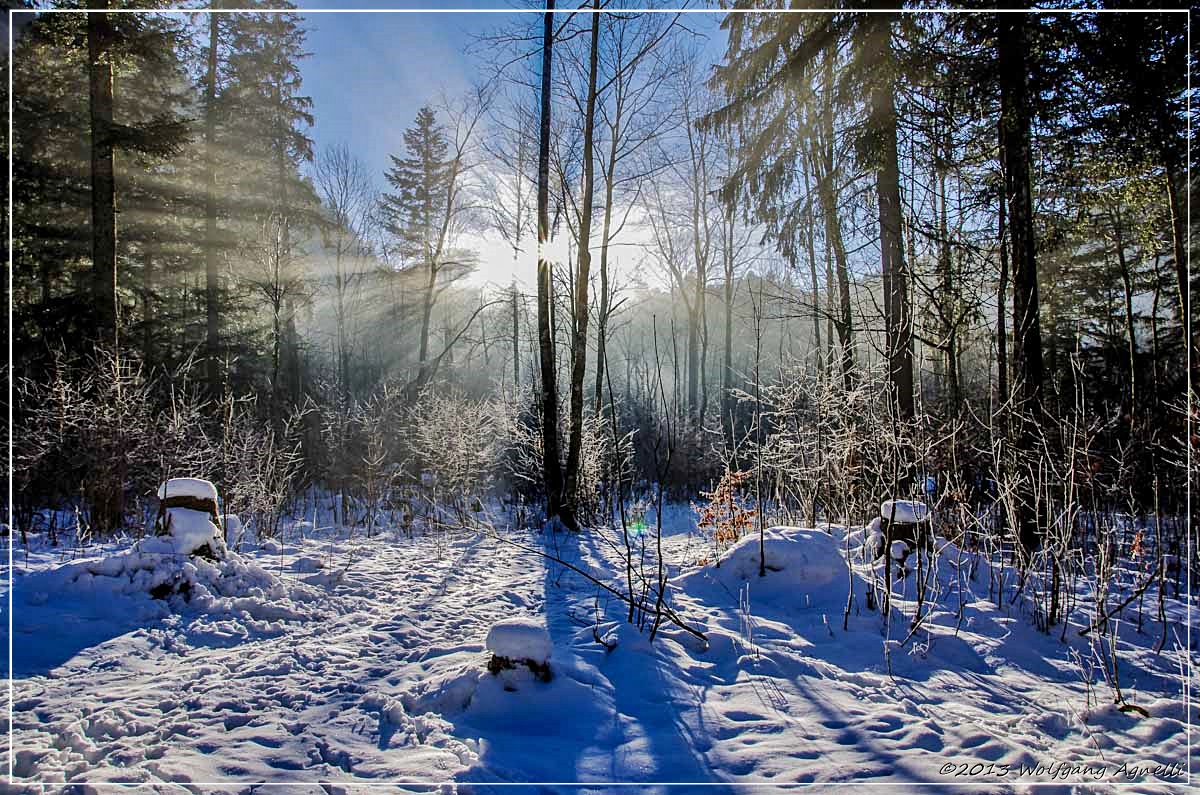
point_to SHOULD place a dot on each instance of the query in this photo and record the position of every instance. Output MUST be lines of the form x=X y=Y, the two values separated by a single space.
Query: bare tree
x=582 y=277
x=345 y=187
x=273 y=274
x=552 y=469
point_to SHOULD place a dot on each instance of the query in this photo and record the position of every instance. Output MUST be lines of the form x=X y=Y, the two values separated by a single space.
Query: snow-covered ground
x=357 y=661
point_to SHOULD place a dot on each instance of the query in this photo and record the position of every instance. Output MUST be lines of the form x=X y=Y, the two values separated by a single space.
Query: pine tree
x=76 y=162
x=417 y=212
x=268 y=116
x=770 y=60
x=1139 y=61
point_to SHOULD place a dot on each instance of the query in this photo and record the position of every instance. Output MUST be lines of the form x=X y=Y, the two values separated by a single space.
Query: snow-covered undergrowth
x=347 y=660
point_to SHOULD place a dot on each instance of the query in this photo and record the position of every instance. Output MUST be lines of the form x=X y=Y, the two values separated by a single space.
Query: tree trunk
x=104 y=196
x=727 y=368
x=343 y=357
x=949 y=308
x=552 y=473
x=580 y=325
x=212 y=288
x=605 y=239
x=427 y=299
x=1015 y=118
x=1130 y=329
x=895 y=279
x=809 y=222
x=1179 y=220
x=516 y=339
x=1002 y=303
x=825 y=173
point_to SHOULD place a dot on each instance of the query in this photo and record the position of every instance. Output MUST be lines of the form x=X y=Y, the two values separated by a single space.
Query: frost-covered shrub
x=259 y=469
x=99 y=434
x=457 y=443
x=521 y=455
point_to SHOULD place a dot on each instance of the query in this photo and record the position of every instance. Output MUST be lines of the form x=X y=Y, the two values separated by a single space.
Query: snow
x=190 y=530
x=803 y=566
x=899 y=550
x=188 y=487
x=520 y=639
x=380 y=675
x=906 y=511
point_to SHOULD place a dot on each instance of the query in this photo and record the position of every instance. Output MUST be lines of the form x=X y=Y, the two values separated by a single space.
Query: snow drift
x=803 y=566
x=155 y=579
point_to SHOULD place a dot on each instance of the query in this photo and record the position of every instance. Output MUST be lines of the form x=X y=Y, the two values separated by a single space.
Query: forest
x=655 y=290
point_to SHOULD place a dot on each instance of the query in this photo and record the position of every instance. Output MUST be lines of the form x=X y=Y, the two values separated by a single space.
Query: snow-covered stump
x=520 y=642
x=189 y=517
x=904 y=528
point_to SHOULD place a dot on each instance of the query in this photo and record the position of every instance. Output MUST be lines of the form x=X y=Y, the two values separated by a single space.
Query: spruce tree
x=415 y=211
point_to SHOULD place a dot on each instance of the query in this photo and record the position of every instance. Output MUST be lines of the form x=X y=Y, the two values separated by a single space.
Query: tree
x=430 y=208
x=105 y=303
x=551 y=466
x=1012 y=45
x=512 y=209
x=267 y=118
x=1140 y=62
x=882 y=149
x=780 y=87
x=212 y=288
x=582 y=276
x=274 y=274
x=630 y=104
x=349 y=197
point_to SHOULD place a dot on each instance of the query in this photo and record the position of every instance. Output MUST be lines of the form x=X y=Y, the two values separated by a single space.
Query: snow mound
x=803 y=566
x=520 y=639
x=906 y=511
x=195 y=488
x=188 y=531
x=153 y=572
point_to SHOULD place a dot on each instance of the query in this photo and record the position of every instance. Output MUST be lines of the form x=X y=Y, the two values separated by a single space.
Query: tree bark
x=104 y=198
x=1002 y=302
x=551 y=470
x=212 y=310
x=947 y=287
x=1179 y=220
x=1015 y=120
x=825 y=173
x=605 y=240
x=896 y=309
x=516 y=339
x=580 y=325
x=809 y=221
x=1130 y=328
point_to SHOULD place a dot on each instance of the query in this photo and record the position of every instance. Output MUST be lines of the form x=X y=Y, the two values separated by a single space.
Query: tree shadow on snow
x=607 y=716
x=47 y=635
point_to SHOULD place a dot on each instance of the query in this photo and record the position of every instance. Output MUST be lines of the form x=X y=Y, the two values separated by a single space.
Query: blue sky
x=369 y=73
